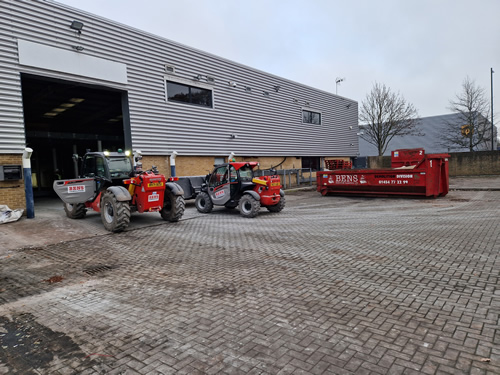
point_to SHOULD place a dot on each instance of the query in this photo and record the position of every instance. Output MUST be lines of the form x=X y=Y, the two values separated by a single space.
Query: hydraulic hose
x=277 y=165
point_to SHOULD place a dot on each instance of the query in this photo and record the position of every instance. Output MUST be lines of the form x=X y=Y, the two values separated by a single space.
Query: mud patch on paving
x=18 y=284
x=223 y=291
x=29 y=347
x=54 y=279
x=14 y=288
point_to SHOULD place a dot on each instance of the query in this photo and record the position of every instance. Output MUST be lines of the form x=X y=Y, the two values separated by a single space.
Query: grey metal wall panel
x=264 y=125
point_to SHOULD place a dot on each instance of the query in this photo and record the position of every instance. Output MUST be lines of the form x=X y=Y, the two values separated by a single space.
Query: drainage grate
x=97 y=269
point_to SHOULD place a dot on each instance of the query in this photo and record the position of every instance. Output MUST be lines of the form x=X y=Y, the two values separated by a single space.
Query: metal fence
x=290 y=177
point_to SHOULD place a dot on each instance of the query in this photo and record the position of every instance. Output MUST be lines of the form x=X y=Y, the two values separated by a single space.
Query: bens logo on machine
x=76 y=189
x=154 y=197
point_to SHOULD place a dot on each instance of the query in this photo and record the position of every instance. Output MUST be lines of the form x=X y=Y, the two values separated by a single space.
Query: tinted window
x=246 y=174
x=120 y=167
x=93 y=166
x=219 y=177
x=178 y=92
x=201 y=96
x=233 y=176
x=311 y=162
x=311 y=117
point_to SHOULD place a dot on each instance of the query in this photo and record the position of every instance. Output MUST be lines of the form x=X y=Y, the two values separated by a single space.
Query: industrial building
x=72 y=81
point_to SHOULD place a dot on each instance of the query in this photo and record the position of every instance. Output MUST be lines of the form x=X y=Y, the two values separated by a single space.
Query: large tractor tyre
x=249 y=206
x=277 y=207
x=75 y=211
x=203 y=203
x=173 y=207
x=115 y=214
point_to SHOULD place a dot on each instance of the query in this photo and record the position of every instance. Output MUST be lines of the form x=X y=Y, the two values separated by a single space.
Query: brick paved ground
x=329 y=286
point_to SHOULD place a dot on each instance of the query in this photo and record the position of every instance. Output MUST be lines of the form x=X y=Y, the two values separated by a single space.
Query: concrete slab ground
x=331 y=285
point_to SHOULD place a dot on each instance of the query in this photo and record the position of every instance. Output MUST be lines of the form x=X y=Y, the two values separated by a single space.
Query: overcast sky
x=422 y=49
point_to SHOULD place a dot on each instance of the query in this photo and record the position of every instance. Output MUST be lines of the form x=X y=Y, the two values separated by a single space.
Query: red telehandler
x=234 y=185
x=111 y=184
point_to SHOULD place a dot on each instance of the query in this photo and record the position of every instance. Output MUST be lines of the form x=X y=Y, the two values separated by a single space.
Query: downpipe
x=172 y=163
x=28 y=183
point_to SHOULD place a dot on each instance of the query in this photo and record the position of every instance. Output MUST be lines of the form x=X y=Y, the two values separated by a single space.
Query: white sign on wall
x=72 y=62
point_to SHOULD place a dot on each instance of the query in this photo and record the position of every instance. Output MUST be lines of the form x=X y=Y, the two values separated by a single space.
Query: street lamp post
x=492 y=125
x=337 y=83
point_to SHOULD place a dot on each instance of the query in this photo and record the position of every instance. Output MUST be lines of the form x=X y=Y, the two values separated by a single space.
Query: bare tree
x=385 y=115
x=471 y=128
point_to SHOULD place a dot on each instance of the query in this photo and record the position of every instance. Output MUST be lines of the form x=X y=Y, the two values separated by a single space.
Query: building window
x=219 y=160
x=179 y=92
x=311 y=162
x=309 y=117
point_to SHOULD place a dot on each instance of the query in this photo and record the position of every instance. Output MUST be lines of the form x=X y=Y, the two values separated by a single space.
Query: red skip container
x=413 y=173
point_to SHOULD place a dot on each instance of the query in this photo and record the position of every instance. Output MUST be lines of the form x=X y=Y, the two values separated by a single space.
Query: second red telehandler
x=234 y=185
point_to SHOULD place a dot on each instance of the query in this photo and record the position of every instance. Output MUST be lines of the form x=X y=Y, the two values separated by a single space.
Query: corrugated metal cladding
x=264 y=125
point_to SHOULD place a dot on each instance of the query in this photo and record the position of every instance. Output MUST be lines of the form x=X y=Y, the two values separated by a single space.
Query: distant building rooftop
x=432 y=128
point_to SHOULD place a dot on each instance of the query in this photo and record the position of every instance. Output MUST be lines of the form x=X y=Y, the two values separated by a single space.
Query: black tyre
x=277 y=207
x=249 y=206
x=75 y=211
x=173 y=207
x=115 y=215
x=203 y=203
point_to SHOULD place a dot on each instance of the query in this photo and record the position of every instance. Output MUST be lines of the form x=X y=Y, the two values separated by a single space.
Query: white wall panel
x=49 y=58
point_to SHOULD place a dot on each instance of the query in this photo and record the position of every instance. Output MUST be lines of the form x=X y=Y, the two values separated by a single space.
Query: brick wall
x=377 y=162
x=460 y=163
x=184 y=165
x=267 y=162
x=12 y=192
x=202 y=165
x=194 y=165
x=475 y=163
x=161 y=162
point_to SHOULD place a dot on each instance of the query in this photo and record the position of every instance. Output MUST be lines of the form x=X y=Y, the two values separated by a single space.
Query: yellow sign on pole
x=467 y=130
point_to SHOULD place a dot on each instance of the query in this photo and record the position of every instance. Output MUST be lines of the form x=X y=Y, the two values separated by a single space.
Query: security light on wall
x=198 y=77
x=277 y=88
x=77 y=25
x=170 y=68
x=232 y=84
